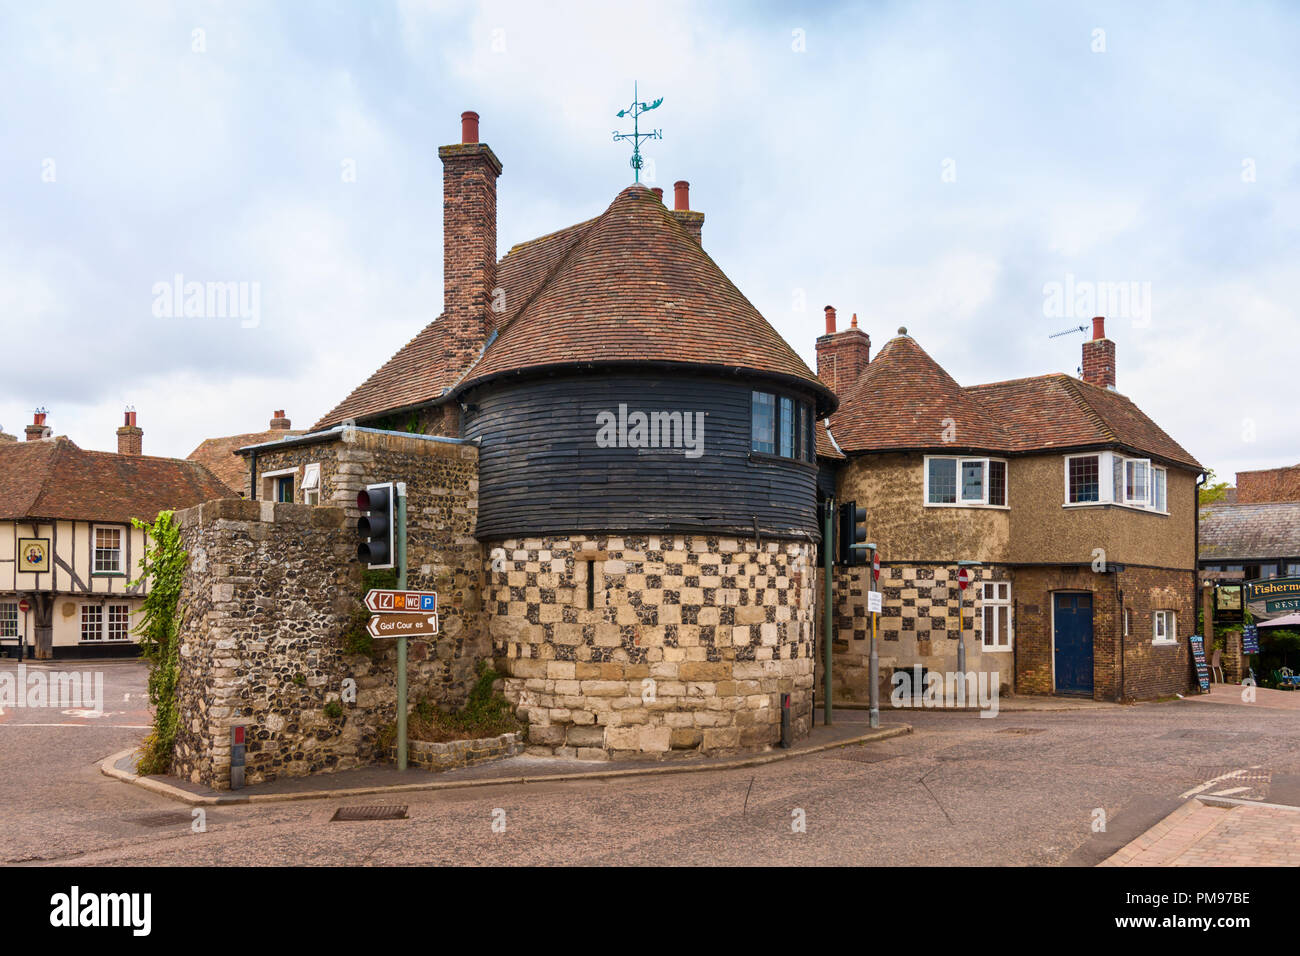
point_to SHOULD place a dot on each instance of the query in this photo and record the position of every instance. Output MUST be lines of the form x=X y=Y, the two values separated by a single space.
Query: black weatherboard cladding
x=541 y=471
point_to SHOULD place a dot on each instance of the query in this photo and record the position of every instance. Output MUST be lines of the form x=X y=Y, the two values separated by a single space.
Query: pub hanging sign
x=1272 y=597
x=34 y=555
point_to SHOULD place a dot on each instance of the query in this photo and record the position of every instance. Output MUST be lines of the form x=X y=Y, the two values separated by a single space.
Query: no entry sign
x=24 y=605
x=963 y=578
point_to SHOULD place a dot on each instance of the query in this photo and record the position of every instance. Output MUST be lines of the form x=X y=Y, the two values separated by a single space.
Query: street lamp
x=961 y=600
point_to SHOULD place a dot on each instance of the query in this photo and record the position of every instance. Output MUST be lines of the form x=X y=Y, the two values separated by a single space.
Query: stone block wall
x=653 y=645
x=267 y=599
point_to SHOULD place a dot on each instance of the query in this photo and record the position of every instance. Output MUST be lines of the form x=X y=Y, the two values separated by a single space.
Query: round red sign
x=875 y=567
x=963 y=578
x=24 y=606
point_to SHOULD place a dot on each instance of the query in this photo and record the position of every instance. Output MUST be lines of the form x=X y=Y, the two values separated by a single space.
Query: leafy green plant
x=333 y=710
x=163 y=565
x=485 y=714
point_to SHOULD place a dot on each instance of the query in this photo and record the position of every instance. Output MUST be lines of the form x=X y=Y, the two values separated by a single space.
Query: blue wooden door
x=1073 y=643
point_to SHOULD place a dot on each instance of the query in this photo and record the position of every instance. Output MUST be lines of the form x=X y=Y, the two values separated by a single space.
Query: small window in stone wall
x=311 y=484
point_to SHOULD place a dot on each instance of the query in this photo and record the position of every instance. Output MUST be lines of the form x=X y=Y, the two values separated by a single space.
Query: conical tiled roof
x=905 y=400
x=637 y=287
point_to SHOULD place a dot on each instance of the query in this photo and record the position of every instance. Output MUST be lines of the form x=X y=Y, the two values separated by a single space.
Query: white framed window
x=1164 y=627
x=311 y=484
x=8 y=619
x=1111 y=478
x=966 y=482
x=998 y=630
x=105 y=622
x=108 y=550
x=1127 y=613
x=278 y=485
x=92 y=622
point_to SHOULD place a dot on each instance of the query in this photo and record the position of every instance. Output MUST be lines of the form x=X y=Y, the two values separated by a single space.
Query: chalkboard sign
x=1198 y=654
x=1250 y=640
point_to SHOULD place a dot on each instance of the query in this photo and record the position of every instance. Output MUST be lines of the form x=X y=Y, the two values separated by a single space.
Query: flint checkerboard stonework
x=677 y=644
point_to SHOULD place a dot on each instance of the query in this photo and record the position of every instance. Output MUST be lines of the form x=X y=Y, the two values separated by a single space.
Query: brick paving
x=1200 y=834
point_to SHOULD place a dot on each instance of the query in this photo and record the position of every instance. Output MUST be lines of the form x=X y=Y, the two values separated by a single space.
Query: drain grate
x=860 y=755
x=382 y=812
x=1022 y=731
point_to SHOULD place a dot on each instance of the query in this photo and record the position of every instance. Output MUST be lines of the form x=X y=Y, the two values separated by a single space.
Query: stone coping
x=453 y=754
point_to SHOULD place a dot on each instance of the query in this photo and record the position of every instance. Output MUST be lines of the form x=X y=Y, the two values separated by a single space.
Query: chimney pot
x=854 y=322
x=38 y=418
x=830 y=320
x=1098 y=326
x=279 y=422
x=469 y=127
x=682 y=195
x=658 y=191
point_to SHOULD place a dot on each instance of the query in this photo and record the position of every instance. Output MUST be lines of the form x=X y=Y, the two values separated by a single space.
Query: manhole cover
x=163 y=820
x=369 y=813
x=859 y=755
x=1022 y=731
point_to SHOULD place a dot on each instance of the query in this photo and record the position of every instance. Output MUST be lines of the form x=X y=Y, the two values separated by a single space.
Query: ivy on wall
x=158 y=627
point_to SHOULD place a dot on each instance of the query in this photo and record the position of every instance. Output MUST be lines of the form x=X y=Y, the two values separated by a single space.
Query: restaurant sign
x=1272 y=597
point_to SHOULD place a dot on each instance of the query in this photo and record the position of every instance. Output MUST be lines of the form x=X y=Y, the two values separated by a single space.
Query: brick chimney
x=693 y=221
x=130 y=437
x=38 y=429
x=1099 y=356
x=842 y=356
x=469 y=243
x=279 y=423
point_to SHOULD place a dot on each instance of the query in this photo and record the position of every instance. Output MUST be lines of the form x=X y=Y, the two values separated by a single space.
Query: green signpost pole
x=827 y=621
x=401 y=641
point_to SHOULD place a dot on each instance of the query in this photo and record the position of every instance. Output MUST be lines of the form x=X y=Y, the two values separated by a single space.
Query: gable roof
x=55 y=479
x=1060 y=411
x=905 y=400
x=637 y=287
x=219 y=456
x=631 y=285
x=1250 y=531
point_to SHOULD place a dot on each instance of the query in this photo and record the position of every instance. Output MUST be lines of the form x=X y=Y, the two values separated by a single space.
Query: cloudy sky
x=945 y=167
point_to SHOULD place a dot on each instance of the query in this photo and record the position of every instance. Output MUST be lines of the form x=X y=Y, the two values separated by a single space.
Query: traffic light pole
x=828 y=559
x=401 y=641
x=875 y=658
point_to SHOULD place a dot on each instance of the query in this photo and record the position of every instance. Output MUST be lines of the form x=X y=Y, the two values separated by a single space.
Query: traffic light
x=375 y=526
x=852 y=530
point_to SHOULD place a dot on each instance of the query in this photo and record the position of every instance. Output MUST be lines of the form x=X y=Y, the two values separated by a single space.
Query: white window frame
x=1101 y=482
x=268 y=482
x=104 y=613
x=1166 y=621
x=963 y=502
x=95 y=549
x=1000 y=607
x=8 y=617
x=311 y=484
x=1112 y=482
x=1132 y=468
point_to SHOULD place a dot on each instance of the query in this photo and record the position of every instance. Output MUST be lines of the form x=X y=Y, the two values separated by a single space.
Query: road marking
x=1230 y=791
x=118 y=726
x=1233 y=775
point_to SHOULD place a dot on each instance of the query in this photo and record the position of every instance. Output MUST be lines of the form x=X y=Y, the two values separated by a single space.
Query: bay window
x=782 y=426
x=1111 y=478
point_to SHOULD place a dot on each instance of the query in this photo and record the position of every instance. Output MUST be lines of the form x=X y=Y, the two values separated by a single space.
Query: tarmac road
x=1021 y=788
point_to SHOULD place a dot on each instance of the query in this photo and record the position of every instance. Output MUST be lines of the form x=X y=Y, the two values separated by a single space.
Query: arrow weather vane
x=635 y=111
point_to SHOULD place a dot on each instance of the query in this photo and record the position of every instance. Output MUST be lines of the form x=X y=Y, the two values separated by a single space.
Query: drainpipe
x=1196 y=564
x=1119 y=606
x=252 y=478
x=827 y=563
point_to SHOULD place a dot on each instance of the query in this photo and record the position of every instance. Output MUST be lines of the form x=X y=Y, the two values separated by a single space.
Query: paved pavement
x=1037 y=788
x=1201 y=834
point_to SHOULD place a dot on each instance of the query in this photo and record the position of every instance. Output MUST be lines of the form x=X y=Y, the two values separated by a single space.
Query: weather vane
x=635 y=111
